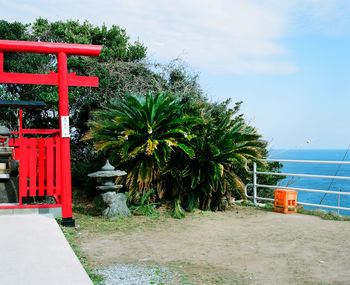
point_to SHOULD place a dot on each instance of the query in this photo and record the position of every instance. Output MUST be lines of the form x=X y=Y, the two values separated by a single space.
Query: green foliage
x=178 y=211
x=223 y=147
x=115 y=41
x=269 y=179
x=331 y=215
x=273 y=166
x=144 y=207
x=142 y=132
x=190 y=201
x=191 y=160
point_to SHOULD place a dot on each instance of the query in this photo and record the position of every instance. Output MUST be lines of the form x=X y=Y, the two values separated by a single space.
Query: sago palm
x=143 y=132
x=221 y=153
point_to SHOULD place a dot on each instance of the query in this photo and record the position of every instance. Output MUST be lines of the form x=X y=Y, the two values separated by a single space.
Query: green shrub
x=144 y=208
x=142 y=133
x=193 y=159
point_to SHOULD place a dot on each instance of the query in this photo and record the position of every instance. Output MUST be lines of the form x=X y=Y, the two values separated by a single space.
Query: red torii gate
x=62 y=143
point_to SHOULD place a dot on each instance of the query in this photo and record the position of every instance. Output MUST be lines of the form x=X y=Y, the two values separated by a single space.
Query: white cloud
x=241 y=36
x=216 y=36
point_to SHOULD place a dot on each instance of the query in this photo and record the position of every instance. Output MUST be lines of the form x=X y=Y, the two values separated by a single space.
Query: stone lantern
x=116 y=201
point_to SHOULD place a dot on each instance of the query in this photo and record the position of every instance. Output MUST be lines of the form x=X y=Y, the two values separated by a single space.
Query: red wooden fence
x=39 y=166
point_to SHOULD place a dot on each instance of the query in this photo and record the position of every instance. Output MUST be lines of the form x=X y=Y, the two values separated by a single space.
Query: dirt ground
x=240 y=246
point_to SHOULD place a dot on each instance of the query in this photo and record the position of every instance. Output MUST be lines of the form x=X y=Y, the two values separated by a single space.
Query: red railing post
x=65 y=141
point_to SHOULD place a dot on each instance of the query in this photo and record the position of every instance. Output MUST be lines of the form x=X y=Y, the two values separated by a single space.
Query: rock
x=116 y=205
x=14 y=166
x=4 y=132
x=9 y=190
x=49 y=200
x=223 y=204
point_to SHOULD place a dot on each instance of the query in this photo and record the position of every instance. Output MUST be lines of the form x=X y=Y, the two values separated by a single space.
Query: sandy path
x=251 y=246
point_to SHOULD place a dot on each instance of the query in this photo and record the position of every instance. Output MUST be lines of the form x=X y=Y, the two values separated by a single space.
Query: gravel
x=127 y=274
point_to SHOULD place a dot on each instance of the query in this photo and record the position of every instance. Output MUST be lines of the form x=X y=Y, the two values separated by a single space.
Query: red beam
x=36 y=131
x=86 y=81
x=26 y=78
x=51 y=48
x=47 y=79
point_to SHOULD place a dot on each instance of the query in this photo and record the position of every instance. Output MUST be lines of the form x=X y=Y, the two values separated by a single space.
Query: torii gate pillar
x=67 y=219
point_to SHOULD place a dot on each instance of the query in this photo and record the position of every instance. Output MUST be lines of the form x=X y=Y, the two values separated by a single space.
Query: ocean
x=317 y=183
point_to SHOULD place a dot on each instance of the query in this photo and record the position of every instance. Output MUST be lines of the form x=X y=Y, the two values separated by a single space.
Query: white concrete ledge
x=55 y=211
x=33 y=250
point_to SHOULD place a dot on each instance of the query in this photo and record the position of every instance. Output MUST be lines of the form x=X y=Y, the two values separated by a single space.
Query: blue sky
x=288 y=61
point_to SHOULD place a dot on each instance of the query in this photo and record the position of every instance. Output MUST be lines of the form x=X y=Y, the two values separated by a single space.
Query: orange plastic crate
x=285 y=201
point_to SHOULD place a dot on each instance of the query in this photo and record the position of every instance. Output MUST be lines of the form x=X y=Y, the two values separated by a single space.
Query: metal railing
x=256 y=185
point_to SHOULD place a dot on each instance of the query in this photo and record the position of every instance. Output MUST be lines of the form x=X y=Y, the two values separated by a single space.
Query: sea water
x=320 y=169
